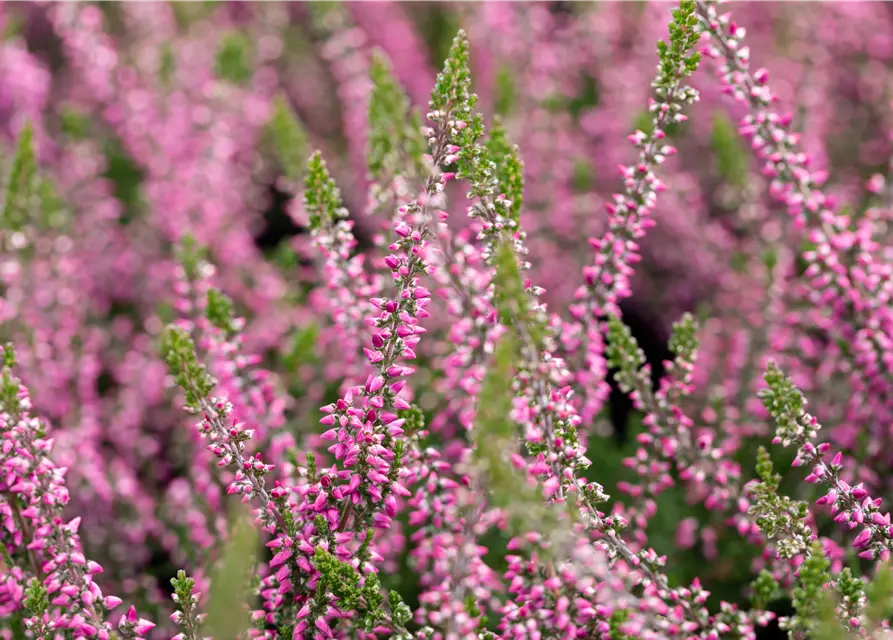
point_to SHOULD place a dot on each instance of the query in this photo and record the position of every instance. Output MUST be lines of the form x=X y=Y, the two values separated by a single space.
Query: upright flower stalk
x=455 y=466
x=671 y=442
x=339 y=508
x=546 y=416
x=846 y=272
x=47 y=579
x=607 y=280
x=851 y=505
x=343 y=271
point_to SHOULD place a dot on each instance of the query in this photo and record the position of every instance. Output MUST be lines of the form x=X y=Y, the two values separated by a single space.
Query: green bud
x=288 y=138
x=322 y=198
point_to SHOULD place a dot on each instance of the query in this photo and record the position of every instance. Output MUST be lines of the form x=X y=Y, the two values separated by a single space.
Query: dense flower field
x=446 y=320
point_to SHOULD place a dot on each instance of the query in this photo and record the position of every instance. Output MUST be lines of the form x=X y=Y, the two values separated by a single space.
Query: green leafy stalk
x=288 y=139
x=234 y=59
x=178 y=350
x=186 y=615
x=809 y=597
x=778 y=516
x=396 y=145
x=21 y=182
x=509 y=168
x=228 y=613
x=361 y=595
x=219 y=311
x=496 y=439
x=322 y=198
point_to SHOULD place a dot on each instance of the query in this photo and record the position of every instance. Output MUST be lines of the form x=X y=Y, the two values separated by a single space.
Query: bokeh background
x=152 y=121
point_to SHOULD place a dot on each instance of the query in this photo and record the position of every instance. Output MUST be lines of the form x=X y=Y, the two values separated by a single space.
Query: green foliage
x=765 y=590
x=74 y=123
x=626 y=357
x=303 y=347
x=186 y=615
x=618 y=617
x=684 y=338
x=20 y=184
x=168 y=63
x=322 y=11
x=322 y=198
x=509 y=168
x=452 y=95
x=415 y=419
x=496 y=439
x=401 y=614
x=9 y=356
x=589 y=96
x=190 y=255
x=787 y=406
x=878 y=594
x=234 y=61
x=188 y=13
x=829 y=628
x=871 y=605
x=12 y=26
x=126 y=177
x=675 y=60
x=285 y=258
x=37 y=598
x=494 y=432
x=9 y=383
x=288 y=139
x=643 y=122
x=178 y=350
x=228 y=613
x=583 y=176
x=359 y=594
x=777 y=515
x=219 y=311
x=395 y=143
x=504 y=102
x=809 y=594
x=182 y=584
x=623 y=353
x=731 y=156
x=52 y=212
x=512 y=300
x=851 y=594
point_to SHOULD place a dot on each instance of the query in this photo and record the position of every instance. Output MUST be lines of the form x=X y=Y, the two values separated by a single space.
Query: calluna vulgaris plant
x=396 y=424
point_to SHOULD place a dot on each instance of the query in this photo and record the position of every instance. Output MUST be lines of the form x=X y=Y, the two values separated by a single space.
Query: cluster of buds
x=851 y=504
x=45 y=569
x=846 y=269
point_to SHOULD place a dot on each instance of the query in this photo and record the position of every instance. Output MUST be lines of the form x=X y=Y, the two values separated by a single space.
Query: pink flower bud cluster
x=846 y=270
x=346 y=284
x=34 y=496
x=448 y=520
x=88 y=284
x=850 y=505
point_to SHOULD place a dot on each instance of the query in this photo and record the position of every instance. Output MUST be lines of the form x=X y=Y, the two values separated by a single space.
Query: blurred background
x=155 y=121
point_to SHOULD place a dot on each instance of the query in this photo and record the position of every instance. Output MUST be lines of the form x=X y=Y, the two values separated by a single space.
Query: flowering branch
x=843 y=269
x=852 y=505
x=607 y=281
x=56 y=584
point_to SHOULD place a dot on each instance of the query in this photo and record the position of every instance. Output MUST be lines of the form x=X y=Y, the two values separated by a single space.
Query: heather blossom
x=303 y=350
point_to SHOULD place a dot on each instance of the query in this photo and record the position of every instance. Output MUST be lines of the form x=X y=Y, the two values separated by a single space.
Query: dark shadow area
x=654 y=343
x=277 y=224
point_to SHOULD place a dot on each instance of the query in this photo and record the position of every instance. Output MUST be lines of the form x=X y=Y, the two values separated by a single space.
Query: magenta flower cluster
x=263 y=269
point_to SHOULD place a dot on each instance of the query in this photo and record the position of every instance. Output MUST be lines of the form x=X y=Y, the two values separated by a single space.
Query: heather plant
x=306 y=340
